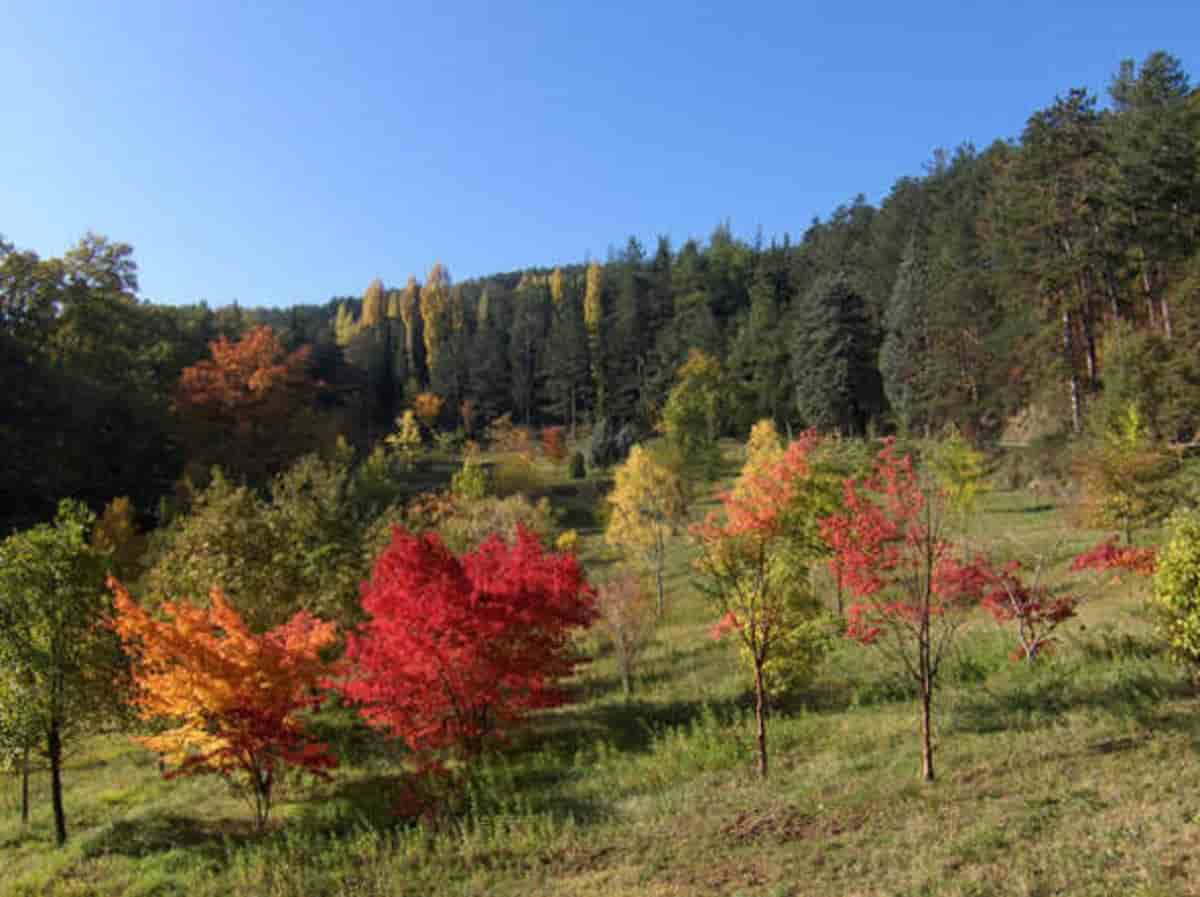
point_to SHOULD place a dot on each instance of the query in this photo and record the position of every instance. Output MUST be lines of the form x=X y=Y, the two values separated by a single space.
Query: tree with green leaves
x=566 y=364
x=61 y=668
x=836 y=380
x=691 y=419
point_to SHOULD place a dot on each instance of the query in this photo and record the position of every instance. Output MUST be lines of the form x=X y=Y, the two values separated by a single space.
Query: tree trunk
x=760 y=714
x=658 y=582
x=1166 y=317
x=927 y=731
x=25 y=787
x=1069 y=357
x=54 y=754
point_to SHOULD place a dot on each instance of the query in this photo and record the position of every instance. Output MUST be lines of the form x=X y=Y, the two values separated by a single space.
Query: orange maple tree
x=235 y=696
x=754 y=557
x=250 y=408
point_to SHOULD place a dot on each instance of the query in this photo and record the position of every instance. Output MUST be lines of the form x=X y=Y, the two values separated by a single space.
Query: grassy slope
x=1079 y=777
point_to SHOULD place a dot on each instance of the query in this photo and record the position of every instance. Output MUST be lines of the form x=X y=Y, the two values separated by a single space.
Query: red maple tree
x=1108 y=555
x=1032 y=605
x=457 y=647
x=914 y=595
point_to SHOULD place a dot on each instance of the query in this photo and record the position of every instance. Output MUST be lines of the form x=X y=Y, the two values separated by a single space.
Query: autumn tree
x=754 y=558
x=1176 y=597
x=691 y=419
x=236 y=699
x=250 y=408
x=914 y=596
x=457 y=647
x=649 y=507
x=1035 y=607
x=60 y=670
x=627 y=617
x=1126 y=477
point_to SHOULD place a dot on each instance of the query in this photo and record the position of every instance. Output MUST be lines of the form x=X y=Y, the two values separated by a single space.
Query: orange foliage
x=249 y=408
x=554 y=444
x=428 y=407
x=234 y=695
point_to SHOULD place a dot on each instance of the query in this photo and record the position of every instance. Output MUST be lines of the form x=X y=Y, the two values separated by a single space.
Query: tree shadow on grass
x=148 y=835
x=1041 y=701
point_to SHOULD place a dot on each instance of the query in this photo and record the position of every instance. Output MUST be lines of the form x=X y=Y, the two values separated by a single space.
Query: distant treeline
x=1059 y=271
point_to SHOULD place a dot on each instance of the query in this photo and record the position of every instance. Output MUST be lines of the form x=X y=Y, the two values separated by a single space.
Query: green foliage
x=1176 y=594
x=61 y=670
x=691 y=420
x=470 y=482
x=833 y=362
x=1127 y=479
x=299 y=550
x=959 y=469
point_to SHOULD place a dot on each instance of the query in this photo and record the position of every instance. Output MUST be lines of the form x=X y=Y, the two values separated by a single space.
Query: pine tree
x=594 y=318
x=528 y=329
x=567 y=369
x=833 y=359
x=906 y=358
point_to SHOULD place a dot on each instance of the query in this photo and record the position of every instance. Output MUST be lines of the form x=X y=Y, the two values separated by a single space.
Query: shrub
x=1177 y=589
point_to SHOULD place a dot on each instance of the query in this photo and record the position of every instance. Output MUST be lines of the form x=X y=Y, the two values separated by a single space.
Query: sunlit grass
x=1077 y=776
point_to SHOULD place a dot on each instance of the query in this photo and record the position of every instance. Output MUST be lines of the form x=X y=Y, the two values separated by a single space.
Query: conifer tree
x=593 y=316
x=906 y=358
x=833 y=359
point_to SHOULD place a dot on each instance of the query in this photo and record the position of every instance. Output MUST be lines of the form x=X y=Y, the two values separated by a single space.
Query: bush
x=471 y=481
x=1177 y=589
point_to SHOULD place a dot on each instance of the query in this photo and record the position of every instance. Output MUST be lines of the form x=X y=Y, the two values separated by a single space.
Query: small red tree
x=1108 y=555
x=1033 y=606
x=235 y=696
x=914 y=595
x=458 y=646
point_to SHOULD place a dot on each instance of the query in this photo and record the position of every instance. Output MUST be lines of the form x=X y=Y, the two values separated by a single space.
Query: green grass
x=1078 y=776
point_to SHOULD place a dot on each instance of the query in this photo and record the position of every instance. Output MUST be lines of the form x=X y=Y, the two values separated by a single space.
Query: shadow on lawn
x=1040 y=700
x=148 y=835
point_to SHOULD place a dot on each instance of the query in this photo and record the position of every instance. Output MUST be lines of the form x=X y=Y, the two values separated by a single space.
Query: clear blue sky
x=280 y=153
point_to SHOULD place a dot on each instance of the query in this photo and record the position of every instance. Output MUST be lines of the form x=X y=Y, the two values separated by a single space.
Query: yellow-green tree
x=960 y=471
x=374 y=307
x=406 y=440
x=691 y=419
x=593 y=319
x=649 y=507
x=1126 y=478
x=435 y=302
x=409 y=298
x=558 y=287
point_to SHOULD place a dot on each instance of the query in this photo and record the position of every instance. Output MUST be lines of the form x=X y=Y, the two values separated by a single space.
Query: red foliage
x=1035 y=608
x=886 y=541
x=914 y=595
x=458 y=646
x=1108 y=555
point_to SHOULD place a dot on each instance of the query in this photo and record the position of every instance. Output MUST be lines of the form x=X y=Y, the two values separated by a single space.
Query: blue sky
x=280 y=153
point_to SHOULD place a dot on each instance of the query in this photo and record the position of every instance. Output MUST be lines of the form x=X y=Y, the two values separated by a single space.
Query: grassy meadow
x=1080 y=775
